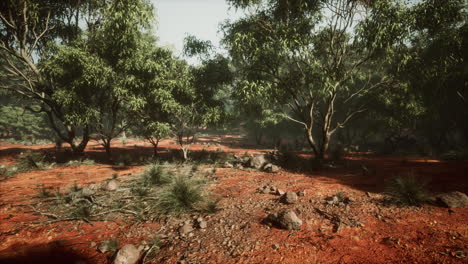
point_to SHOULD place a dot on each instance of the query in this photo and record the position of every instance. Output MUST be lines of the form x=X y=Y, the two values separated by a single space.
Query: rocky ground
x=266 y=215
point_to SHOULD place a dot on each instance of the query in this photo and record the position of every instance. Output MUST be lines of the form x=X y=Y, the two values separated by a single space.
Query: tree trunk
x=311 y=141
x=324 y=146
x=185 y=153
x=107 y=147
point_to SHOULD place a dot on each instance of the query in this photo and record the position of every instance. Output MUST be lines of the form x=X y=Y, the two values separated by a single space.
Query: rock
x=264 y=189
x=103 y=246
x=333 y=200
x=93 y=244
x=201 y=223
x=112 y=185
x=453 y=199
x=285 y=219
x=239 y=166
x=301 y=193
x=128 y=254
x=349 y=200
x=279 y=192
x=87 y=192
x=271 y=168
x=257 y=162
x=272 y=189
x=289 y=197
x=228 y=165
x=185 y=229
x=275 y=246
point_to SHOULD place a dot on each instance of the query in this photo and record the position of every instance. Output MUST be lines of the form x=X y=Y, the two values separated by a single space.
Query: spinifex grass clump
x=32 y=161
x=408 y=190
x=183 y=195
x=155 y=175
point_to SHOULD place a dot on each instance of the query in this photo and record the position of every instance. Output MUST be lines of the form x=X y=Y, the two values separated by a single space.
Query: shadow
x=362 y=171
x=51 y=253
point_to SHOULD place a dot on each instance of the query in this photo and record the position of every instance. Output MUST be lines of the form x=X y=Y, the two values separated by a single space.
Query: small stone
x=257 y=162
x=93 y=244
x=112 y=185
x=271 y=168
x=185 y=229
x=280 y=192
x=239 y=166
x=301 y=193
x=275 y=246
x=103 y=247
x=128 y=254
x=289 y=197
x=87 y=192
x=228 y=165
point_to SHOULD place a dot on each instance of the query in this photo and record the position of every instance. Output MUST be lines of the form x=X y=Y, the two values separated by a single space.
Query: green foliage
x=407 y=190
x=154 y=174
x=317 y=76
x=183 y=195
x=17 y=122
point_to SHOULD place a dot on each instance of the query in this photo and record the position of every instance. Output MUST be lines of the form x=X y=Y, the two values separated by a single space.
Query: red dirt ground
x=236 y=234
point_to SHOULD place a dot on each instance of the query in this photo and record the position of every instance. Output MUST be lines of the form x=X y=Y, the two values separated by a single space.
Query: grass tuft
x=155 y=175
x=408 y=190
x=182 y=196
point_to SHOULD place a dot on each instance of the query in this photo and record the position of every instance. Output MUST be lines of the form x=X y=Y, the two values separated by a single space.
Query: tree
x=160 y=85
x=81 y=77
x=27 y=28
x=433 y=65
x=311 y=61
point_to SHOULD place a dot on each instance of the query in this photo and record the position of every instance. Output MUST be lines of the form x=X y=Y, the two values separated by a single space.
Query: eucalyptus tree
x=26 y=30
x=73 y=58
x=161 y=82
x=312 y=61
x=434 y=67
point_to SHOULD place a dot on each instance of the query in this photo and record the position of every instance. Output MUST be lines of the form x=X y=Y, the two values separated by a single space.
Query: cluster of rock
x=339 y=200
x=286 y=219
x=259 y=162
x=188 y=226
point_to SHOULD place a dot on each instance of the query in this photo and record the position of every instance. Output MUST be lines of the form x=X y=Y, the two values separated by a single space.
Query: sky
x=201 y=18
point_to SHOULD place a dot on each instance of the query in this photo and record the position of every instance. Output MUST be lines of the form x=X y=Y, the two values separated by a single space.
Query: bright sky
x=178 y=18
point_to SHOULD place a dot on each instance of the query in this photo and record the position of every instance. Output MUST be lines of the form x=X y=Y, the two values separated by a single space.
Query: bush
x=155 y=175
x=408 y=190
x=182 y=196
x=32 y=161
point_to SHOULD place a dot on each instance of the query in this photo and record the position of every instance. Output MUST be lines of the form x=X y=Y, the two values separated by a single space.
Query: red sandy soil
x=236 y=234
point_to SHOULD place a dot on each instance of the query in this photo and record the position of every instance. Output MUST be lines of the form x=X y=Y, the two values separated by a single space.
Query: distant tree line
x=323 y=74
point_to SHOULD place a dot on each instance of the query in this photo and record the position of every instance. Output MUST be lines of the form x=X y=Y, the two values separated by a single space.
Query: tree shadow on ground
x=51 y=253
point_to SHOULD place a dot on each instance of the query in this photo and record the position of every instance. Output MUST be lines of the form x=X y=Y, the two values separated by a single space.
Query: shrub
x=211 y=205
x=32 y=161
x=81 y=212
x=407 y=190
x=8 y=171
x=182 y=196
x=155 y=175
